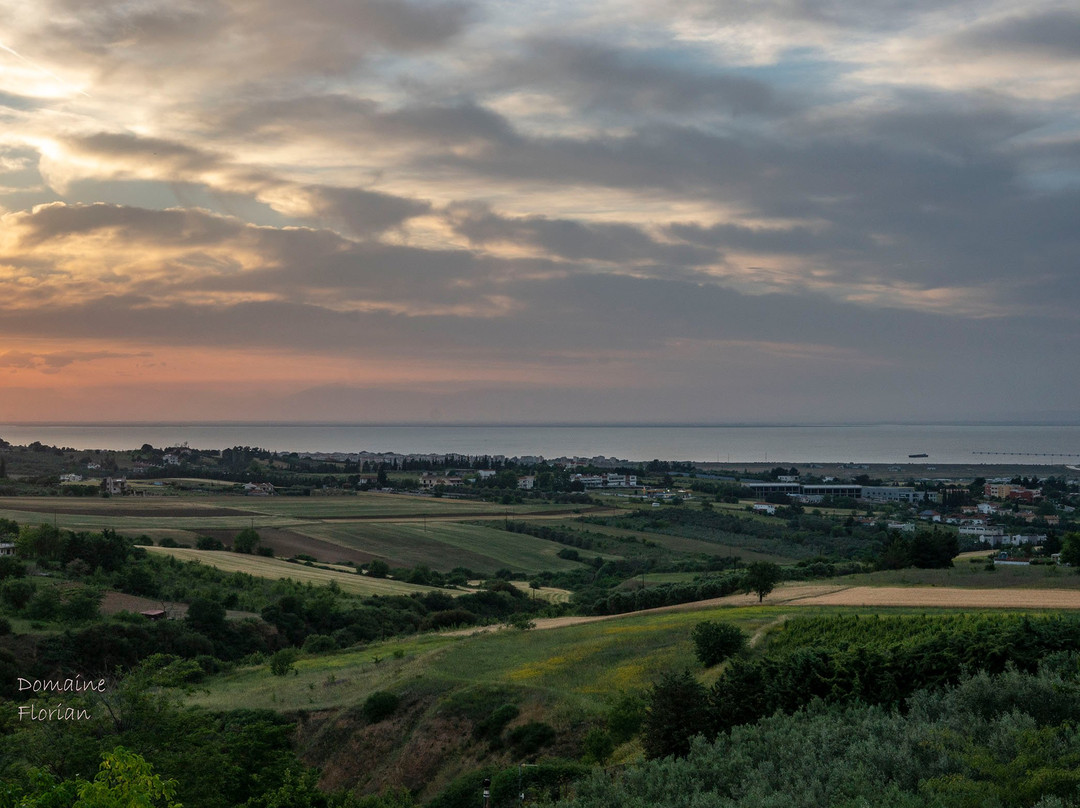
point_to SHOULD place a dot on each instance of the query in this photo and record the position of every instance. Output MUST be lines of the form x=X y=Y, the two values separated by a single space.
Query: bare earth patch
x=949 y=598
x=835 y=595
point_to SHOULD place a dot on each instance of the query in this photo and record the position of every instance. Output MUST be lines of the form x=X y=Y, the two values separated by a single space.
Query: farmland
x=276 y=569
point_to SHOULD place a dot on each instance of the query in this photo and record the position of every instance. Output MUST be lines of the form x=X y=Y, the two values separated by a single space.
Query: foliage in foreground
x=1001 y=741
x=874 y=660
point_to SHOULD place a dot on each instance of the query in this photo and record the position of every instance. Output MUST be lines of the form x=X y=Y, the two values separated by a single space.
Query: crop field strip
x=275 y=569
x=679 y=544
x=445 y=545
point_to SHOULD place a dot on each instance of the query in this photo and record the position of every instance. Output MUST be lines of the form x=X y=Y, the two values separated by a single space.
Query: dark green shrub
x=678 y=710
x=282 y=661
x=598 y=746
x=626 y=716
x=492 y=726
x=715 y=642
x=380 y=705
x=319 y=644
x=16 y=593
x=530 y=738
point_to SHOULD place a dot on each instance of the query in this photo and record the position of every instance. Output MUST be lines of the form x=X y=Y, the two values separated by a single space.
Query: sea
x=781 y=444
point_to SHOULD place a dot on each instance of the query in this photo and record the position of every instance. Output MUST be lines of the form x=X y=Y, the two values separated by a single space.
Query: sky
x=620 y=211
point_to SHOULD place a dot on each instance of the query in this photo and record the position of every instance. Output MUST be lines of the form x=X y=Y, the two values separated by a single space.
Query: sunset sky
x=711 y=211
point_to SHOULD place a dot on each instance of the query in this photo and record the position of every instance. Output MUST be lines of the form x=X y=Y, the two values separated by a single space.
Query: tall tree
x=760 y=578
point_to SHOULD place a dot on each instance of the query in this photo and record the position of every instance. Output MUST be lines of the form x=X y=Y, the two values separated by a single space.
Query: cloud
x=56 y=361
x=592 y=75
x=1053 y=33
x=573 y=240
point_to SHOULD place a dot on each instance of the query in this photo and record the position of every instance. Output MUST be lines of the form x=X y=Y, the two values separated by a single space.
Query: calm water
x=751 y=444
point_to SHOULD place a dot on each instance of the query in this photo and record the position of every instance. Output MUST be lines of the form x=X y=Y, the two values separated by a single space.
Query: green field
x=677 y=544
x=577 y=664
x=275 y=569
x=444 y=545
x=966 y=574
x=402 y=530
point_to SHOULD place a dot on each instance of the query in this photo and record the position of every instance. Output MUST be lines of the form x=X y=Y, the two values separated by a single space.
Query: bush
x=626 y=716
x=11 y=567
x=319 y=644
x=379 y=706
x=529 y=738
x=282 y=661
x=715 y=642
x=16 y=593
x=492 y=726
x=597 y=746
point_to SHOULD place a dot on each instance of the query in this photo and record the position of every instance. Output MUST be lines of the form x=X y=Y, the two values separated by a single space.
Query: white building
x=890 y=493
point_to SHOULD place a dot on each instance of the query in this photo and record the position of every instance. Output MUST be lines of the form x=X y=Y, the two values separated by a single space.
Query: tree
x=126 y=780
x=245 y=541
x=206 y=616
x=760 y=578
x=378 y=569
x=714 y=642
x=1070 y=549
x=678 y=710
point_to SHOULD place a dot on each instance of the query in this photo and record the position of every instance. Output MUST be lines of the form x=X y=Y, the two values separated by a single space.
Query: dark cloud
x=130 y=148
x=595 y=76
x=361 y=123
x=616 y=243
x=1054 y=33
x=362 y=212
x=52 y=222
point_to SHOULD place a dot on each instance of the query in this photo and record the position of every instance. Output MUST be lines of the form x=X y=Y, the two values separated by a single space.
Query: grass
x=275 y=569
x=966 y=574
x=579 y=666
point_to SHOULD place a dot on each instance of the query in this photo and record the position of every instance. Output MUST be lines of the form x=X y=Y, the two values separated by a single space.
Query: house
x=259 y=489
x=114 y=486
x=764 y=507
x=7 y=548
x=430 y=480
x=71 y=478
x=526 y=483
x=991 y=535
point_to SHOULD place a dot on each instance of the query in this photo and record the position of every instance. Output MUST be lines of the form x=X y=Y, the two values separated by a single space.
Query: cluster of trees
x=924 y=549
x=1006 y=740
x=880 y=661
